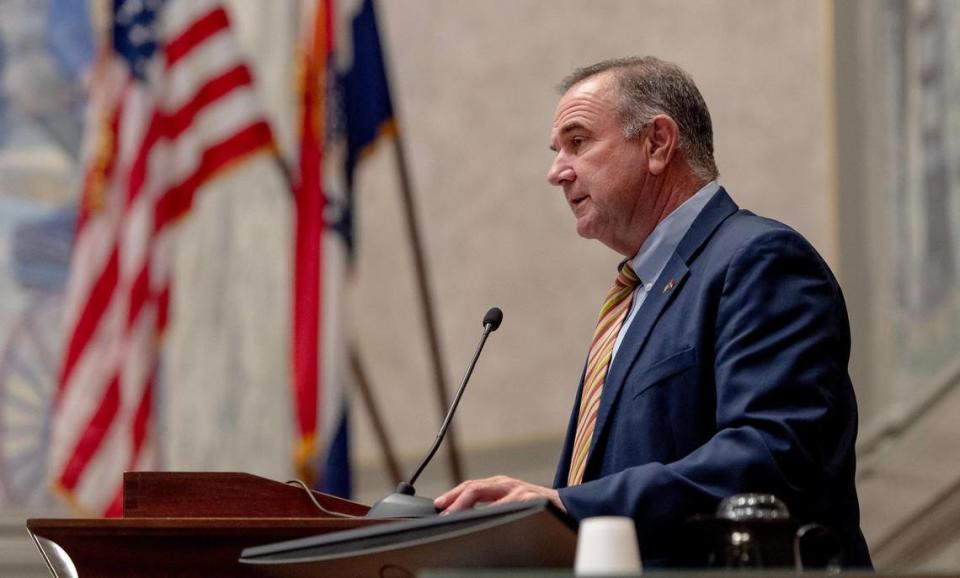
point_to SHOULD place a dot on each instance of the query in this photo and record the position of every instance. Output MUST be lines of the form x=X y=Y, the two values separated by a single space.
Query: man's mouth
x=577 y=201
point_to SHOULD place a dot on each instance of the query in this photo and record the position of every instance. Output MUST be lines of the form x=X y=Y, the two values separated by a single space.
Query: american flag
x=172 y=105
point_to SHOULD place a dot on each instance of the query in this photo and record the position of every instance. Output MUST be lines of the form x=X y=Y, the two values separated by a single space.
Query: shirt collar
x=656 y=250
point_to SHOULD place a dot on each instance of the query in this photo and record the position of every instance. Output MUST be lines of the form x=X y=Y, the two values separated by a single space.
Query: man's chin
x=586 y=229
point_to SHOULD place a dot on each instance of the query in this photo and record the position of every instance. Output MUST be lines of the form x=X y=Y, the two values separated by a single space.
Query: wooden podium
x=188 y=524
x=202 y=524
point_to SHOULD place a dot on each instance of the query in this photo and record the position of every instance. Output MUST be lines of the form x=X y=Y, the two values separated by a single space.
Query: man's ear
x=662 y=139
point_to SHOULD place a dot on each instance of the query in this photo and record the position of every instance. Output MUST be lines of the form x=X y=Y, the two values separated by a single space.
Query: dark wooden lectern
x=188 y=524
x=200 y=524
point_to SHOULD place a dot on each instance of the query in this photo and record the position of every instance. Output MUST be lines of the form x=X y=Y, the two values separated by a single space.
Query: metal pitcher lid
x=741 y=507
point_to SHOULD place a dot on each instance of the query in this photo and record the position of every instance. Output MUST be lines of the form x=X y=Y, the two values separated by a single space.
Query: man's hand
x=495 y=490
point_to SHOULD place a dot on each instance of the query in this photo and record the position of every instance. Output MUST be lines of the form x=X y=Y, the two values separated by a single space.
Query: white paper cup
x=607 y=545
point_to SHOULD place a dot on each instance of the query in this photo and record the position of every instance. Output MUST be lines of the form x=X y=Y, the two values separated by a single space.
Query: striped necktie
x=614 y=311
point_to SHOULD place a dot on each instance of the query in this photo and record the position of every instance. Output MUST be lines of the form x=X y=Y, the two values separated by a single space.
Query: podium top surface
x=399 y=533
x=531 y=534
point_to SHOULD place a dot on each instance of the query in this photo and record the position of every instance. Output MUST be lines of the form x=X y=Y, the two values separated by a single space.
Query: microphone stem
x=453 y=407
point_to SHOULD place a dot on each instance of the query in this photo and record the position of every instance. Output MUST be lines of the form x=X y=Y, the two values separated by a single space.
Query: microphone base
x=403 y=506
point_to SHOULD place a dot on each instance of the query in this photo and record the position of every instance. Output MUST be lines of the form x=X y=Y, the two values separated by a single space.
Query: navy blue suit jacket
x=732 y=378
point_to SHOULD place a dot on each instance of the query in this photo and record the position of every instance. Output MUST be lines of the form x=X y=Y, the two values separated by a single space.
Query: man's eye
x=576 y=141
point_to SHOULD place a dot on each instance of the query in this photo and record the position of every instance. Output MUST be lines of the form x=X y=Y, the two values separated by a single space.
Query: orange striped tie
x=614 y=311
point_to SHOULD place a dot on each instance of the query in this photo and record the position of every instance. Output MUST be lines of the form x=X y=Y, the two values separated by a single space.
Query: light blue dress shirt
x=656 y=250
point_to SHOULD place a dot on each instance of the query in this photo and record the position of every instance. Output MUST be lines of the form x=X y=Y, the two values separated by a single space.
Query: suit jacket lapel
x=667 y=286
x=563 y=466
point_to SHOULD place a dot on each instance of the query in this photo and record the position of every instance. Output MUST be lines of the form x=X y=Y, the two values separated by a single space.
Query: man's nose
x=560 y=172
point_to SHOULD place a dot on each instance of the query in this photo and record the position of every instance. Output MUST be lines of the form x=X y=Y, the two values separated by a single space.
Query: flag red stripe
x=92 y=436
x=309 y=229
x=115 y=509
x=141 y=419
x=138 y=170
x=306 y=319
x=214 y=89
x=170 y=126
x=97 y=302
x=201 y=29
x=177 y=200
x=139 y=294
x=328 y=29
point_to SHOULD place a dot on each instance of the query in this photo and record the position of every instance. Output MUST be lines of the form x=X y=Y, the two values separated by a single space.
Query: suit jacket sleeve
x=779 y=357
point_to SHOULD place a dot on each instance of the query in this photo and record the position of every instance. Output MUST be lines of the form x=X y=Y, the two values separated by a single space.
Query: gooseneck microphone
x=403 y=503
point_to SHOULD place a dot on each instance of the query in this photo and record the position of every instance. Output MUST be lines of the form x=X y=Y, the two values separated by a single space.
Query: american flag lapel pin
x=669 y=286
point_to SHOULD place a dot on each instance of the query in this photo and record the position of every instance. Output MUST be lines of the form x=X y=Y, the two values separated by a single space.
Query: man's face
x=601 y=171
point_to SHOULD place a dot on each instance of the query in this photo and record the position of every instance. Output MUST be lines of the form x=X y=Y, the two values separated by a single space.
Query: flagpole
x=426 y=303
x=420 y=269
x=369 y=401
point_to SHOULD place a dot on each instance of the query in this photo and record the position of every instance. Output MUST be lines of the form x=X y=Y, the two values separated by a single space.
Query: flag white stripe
x=232 y=113
x=136 y=238
x=211 y=58
x=139 y=359
x=137 y=113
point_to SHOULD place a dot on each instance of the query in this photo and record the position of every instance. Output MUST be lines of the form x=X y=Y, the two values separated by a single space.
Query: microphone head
x=493 y=318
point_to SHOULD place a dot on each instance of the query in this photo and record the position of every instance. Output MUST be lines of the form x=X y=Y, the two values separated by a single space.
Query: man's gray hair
x=647 y=86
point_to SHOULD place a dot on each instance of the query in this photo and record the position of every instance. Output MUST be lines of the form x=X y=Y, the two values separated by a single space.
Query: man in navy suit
x=729 y=368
